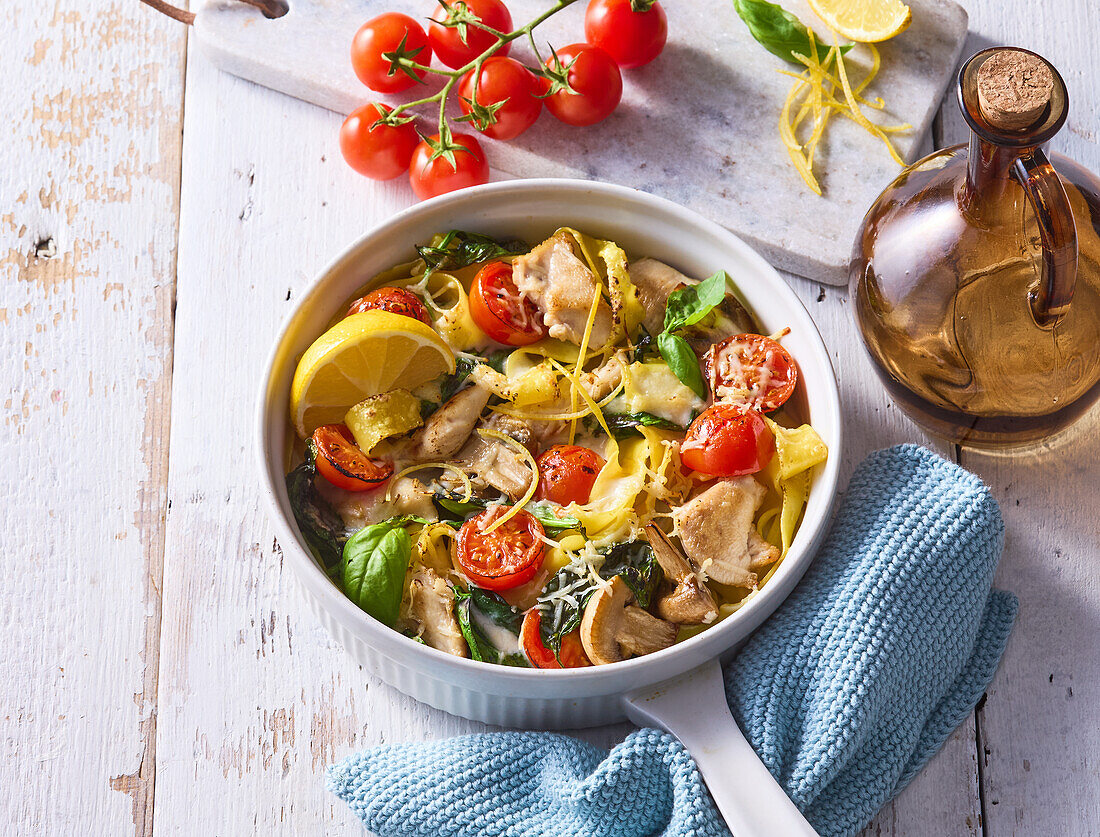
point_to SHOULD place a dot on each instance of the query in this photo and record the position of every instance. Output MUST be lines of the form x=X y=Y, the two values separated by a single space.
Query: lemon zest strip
x=467 y=486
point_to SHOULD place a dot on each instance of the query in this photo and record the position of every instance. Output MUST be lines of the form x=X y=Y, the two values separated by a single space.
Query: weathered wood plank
x=88 y=209
x=1039 y=730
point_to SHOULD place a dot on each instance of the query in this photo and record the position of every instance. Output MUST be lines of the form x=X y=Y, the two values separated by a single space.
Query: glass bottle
x=975 y=277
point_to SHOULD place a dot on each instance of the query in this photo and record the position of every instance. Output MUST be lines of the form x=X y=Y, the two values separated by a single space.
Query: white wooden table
x=160 y=674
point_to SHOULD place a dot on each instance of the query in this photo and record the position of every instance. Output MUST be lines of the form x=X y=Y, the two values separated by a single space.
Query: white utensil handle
x=694 y=709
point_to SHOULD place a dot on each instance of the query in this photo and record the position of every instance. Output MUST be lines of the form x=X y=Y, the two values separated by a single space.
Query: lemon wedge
x=363 y=355
x=865 y=21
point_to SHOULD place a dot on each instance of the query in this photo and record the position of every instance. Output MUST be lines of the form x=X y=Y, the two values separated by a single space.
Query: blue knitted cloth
x=845 y=692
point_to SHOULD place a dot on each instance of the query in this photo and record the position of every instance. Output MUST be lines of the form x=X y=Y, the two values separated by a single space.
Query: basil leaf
x=780 y=32
x=460 y=249
x=497 y=609
x=320 y=525
x=627 y=424
x=682 y=361
x=373 y=568
x=687 y=306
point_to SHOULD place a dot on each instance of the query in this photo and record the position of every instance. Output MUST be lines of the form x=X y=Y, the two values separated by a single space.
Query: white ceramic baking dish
x=678 y=688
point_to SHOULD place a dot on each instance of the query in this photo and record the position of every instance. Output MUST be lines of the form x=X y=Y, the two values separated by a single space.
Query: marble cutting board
x=698 y=125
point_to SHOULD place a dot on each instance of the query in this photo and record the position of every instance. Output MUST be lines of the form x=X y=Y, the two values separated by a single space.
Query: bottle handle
x=1058 y=233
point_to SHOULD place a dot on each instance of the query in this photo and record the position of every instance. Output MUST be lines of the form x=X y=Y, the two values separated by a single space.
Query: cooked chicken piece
x=690 y=602
x=654 y=281
x=718 y=534
x=516 y=428
x=600 y=381
x=562 y=287
x=448 y=428
x=361 y=508
x=491 y=462
x=430 y=612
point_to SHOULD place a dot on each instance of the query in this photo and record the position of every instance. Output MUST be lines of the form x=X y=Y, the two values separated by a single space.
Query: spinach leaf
x=496 y=608
x=318 y=522
x=638 y=567
x=496 y=360
x=555 y=622
x=481 y=649
x=454 y=507
x=373 y=568
x=464 y=366
x=627 y=424
x=550 y=521
x=778 y=31
x=634 y=561
x=687 y=306
x=461 y=249
x=453 y=383
x=681 y=359
x=644 y=346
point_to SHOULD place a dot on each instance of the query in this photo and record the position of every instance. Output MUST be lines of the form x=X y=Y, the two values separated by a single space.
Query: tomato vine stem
x=446 y=144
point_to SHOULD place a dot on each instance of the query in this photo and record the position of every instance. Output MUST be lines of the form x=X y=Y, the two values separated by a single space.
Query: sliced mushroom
x=613 y=629
x=448 y=428
x=690 y=602
x=431 y=608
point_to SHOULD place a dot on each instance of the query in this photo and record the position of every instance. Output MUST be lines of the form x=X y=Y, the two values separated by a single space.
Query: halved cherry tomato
x=430 y=175
x=631 y=38
x=457 y=46
x=508 y=556
x=595 y=81
x=566 y=474
x=750 y=370
x=504 y=81
x=340 y=462
x=530 y=640
x=727 y=440
x=395 y=300
x=382 y=152
x=386 y=34
x=500 y=311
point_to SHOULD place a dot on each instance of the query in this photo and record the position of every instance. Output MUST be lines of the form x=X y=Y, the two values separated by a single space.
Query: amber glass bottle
x=975 y=278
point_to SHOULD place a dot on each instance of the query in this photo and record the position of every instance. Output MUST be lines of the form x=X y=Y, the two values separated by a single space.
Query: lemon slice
x=865 y=21
x=363 y=355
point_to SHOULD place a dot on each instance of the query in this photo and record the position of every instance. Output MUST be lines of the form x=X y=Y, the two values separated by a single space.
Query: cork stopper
x=1014 y=89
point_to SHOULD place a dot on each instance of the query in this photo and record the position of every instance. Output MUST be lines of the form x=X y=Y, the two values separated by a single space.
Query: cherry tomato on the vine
x=430 y=177
x=457 y=46
x=341 y=463
x=750 y=370
x=566 y=473
x=395 y=300
x=382 y=152
x=386 y=34
x=498 y=309
x=597 y=85
x=571 y=654
x=504 y=558
x=507 y=81
x=631 y=38
x=727 y=440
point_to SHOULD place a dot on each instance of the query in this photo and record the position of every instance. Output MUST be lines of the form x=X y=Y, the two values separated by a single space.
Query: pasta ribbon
x=797 y=451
